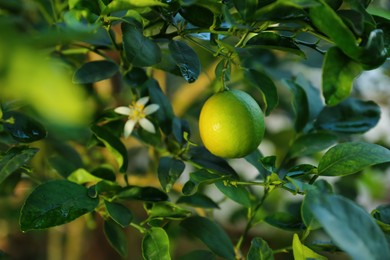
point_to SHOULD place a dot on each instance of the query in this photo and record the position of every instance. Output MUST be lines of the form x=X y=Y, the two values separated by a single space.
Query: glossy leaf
x=119 y=213
x=238 y=194
x=119 y=5
x=95 y=71
x=382 y=217
x=55 y=203
x=211 y=234
x=345 y=222
x=22 y=127
x=300 y=104
x=139 y=50
x=155 y=245
x=198 y=200
x=169 y=170
x=142 y=193
x=116 y=237
x=349 y=158
x=15 y=158
x=259 y=250
x=351 y=116
x=81 y=176
x=303 y=252
x=262 y=81
x=374 y=52
x=197 y=178
x=113 y=144
x=166 y=210
x=339 y=71
x=285 y=221
x=311 y=143
x=186 y=59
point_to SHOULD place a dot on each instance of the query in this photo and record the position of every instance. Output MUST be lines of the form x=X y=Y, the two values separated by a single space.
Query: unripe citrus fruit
x=231 y=124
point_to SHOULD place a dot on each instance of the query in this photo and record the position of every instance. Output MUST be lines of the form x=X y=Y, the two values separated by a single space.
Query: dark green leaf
x=180 y=130
x=262 y=81
x=345 y=222
x=311 y=143
x=104 y=172
x=155 y=245
x=260 y=250
x=142 y=193
x=238 y=194
x=116 y=237
x=349 y=158
x=300 y=104
x=22 y=127
x=186 y=59
x=197 y=178
x=55 y=203
x=119 y=213
x=279 y=11
x=382 y=217
x=374 y=52
x=198 y=254
x=166 y=210
x=139 y=50
x=212 y=235
x=285 y=221
x=339 y=71
x=353 y=19
x=254 y=158
x=169 y=170
x=15 y=158
x=246 y=8
x=313 y=94
x=198 y=200
x=274 y=41
x=191 y=14
x=351 y=116
x=113 y=144
x=95 y=71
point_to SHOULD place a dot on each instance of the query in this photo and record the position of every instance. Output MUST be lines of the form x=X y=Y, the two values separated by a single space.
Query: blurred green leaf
x=198 y=200
x=345 y=222
x=119 y=5
x=22 y=127
x=55 y=203
x=382 y=216
x=104 y=172
x=95 y=71
x=259 y=250
x=113 y=144
x=374 y=52
x=279 y=10
x=81 y=176
x=116 y=237
x=186 y=59
x=155 y=245
x=238 y=194
x=211 y=234
x=15 y=158
x=314 y=98
x=180 y=130
x=169 y=170
x=285 y=221
x=351 y=116
x=300 y=104
x=311 y=143
x=303 y=252
x=339 y=71
x=142 y=193
x=198 y=254
x=191 y=14
x=348 y=158
x=119 y=213
x=197 y=178
x=139 y=50
x=246 y=8
x=166 y=210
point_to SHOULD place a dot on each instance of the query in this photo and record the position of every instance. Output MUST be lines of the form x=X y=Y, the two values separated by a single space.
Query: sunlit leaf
x=119 y=5
x=81 y=176
x=166 y=210
x=303 y=252
x=155 y=245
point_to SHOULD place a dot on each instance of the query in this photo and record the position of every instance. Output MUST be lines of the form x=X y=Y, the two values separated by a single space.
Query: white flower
x=137 y=113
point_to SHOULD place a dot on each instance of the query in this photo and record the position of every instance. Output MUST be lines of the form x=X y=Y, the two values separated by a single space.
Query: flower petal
x=151 y=109
x=142 y=101
x=122 y=110
x=147 y=125
x=129 y=126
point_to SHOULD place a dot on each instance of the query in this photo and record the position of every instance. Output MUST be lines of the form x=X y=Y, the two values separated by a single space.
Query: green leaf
x=119 y=5
x=155 y=245
x=55 y=203
x=349 y=158
x=186 y=59
x=197 y=178
x=274 y=41
x=95 y=71
x=22 y=127
x=191 y=14
x=169 y=170
x=116 y=237
x=339 y=71
x=104 y=172
x=119 y=213
x=262 y=81
x=113 y=144
x=238 y=194
x=15 y=158
x=246 y=8
x=166 y=210
x=279 y=10
x=303 y=252
x=311 y=143
x=142 y=193
x=198 y=254
x=139 y=50
x=260 y=250
x=351 y=116
x=285 y=221
x=198 y=200
x=212 y=235
x=345 y=222
x=180 y=130
x=313 y=94
x=382 y=217
x=81 y=176
x=300 y=104
x=374 y=52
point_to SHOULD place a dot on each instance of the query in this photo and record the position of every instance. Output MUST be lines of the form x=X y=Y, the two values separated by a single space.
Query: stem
x=313 y=179
x=282 y=250
x=138 y=227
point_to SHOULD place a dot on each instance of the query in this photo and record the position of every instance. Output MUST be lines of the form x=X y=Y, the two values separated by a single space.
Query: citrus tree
x=101 y=121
